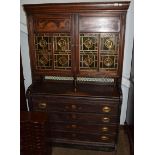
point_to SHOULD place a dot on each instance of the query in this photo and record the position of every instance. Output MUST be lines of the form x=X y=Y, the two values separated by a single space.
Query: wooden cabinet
x=33 y=133
x=76 y=55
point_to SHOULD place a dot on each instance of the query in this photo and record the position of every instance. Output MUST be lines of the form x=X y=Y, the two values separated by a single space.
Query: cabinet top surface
x=67 y=89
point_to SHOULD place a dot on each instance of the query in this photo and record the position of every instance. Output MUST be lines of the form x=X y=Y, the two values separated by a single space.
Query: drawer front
x=76 y=106
x=56 y=23
x=83 y=128
x=82 y=118
x=104 y=138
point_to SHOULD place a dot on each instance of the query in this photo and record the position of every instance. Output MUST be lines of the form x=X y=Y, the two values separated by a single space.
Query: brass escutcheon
x=73 y=116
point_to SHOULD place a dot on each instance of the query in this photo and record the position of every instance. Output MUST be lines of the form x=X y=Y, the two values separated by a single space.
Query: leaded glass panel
x=88 y=51
x=43 y=54
x=62 y=51
x=99 y=51
x=109 y=51
x=52 y=51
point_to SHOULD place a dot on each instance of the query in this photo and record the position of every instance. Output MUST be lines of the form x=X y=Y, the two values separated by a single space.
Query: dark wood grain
x=56 y=23
x=99 y=24
x=83 y=128
x=82 y=118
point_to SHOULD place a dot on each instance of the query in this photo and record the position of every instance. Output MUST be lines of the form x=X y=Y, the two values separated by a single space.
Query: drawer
x=105 y=107
x=83 y=128
x=104 y=138
x=83 y=118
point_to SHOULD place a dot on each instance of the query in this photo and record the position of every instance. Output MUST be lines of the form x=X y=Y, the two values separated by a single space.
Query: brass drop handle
x=42 y=105
x=106 y=119
x=106 y=109
x=104 y=138
x=104 y=129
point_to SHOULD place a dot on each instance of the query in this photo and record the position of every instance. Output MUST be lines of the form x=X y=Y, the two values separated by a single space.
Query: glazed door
x=99 y=44
x=52 y=50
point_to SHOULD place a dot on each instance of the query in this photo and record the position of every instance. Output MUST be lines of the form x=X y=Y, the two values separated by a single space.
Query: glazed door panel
x=99 y=39
x=53 y=38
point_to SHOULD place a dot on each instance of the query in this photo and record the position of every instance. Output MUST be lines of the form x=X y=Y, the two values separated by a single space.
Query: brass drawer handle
x=106 y=109
x=42 y=105
x=104 y=138
x=106 y=119
x=104 y=129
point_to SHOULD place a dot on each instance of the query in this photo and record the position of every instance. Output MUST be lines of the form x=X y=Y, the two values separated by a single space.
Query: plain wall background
x=127 y=50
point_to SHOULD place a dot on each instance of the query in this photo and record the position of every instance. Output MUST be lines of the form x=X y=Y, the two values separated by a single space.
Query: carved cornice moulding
x=82 y=6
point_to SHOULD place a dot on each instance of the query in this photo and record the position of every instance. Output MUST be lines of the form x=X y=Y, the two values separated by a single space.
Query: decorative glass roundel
x=42 y=43
x=62 y=43
x=108 y=62
x=108 y=43
x=88 y=43
x=88 y=61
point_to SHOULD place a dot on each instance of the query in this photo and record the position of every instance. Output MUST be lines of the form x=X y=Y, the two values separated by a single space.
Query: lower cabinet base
x=83 y=145
x=85 y=119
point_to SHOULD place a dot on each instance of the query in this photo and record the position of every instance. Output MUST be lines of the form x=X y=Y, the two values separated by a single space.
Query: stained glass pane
x=53 y=51
x=62 y=51
x=43 y=54
x=88 y=51
x=109 y=51
x=99 y=51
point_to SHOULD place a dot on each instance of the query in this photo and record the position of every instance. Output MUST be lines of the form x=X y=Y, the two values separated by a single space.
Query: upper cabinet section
x=77 y=39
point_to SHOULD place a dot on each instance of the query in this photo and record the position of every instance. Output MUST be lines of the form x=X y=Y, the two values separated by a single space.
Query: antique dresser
x=76 y=54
